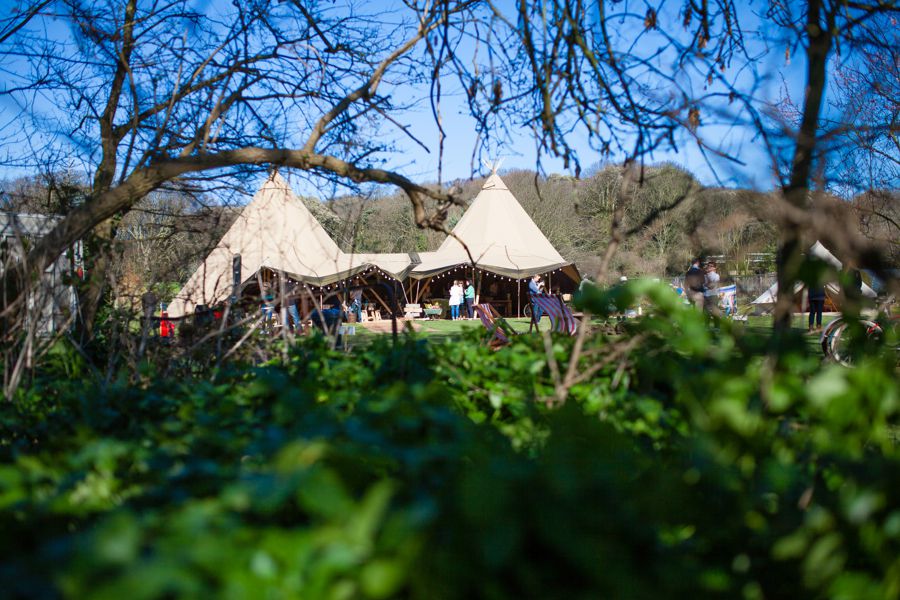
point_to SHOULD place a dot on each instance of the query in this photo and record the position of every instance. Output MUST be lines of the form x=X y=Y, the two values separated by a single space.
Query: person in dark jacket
x=535 y=286
x=695 y=283
x=329 y=318
x=816 y=294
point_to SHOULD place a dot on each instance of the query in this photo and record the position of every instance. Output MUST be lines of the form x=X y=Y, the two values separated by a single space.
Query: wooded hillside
x=669 y=218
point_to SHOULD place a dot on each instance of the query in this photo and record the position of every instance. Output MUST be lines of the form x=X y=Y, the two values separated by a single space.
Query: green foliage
x=696 y=462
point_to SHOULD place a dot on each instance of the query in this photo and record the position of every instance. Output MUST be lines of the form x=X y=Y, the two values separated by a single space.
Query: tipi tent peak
x=274 y=230
x=499 y=235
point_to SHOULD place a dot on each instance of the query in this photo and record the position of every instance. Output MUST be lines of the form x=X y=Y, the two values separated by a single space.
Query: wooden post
x=426 y=288
x=283 y=313
x=236 y=277
x=477 y=284
x=403 y=288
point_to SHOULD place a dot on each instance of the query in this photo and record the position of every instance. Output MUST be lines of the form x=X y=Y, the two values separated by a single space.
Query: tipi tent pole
x=236 y=277
x=387 y=307
x=281 y=295
x=477 y=284
x=427 y=287
x=518 y=298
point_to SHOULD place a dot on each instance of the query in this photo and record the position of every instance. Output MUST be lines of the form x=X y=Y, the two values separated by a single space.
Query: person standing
x=267 y=306
x=289 y=300
x=535 y=286
x=469 y=297
x=294 y=314
x=456 y=296
x=356 y=303
x=816 y=297
x=694 y=281
x=711 y=291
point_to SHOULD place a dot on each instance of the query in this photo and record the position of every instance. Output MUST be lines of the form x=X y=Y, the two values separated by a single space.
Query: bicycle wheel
x=843 y=349
x=828 y=333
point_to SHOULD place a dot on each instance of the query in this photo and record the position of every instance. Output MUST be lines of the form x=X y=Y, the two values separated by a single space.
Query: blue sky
x=768 y=74
x=726 y=131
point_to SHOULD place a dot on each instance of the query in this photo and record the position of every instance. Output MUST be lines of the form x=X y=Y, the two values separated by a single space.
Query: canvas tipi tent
x=832 y=290
x=501 y=238
x=276 y=231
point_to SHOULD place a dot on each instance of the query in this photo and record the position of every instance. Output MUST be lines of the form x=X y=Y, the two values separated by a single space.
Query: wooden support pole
x=381 y=300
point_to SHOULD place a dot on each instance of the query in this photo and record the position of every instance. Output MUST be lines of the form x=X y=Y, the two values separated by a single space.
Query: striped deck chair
x=499 y=329
x=561 y=318
x=728 y=300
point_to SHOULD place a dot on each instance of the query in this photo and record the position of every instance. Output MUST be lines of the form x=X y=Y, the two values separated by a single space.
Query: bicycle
x=838 y=347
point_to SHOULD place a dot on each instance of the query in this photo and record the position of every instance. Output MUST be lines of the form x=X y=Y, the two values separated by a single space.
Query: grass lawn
x=763 y=326
x=437 y=330
x=445 y=329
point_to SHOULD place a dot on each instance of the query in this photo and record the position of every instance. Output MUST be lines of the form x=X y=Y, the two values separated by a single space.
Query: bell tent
x=832 y=290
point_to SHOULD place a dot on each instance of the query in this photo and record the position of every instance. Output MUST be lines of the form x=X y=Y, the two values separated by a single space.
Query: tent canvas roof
x=500 y=235
x=277 y=231
x=823 y=254
x=270 y=231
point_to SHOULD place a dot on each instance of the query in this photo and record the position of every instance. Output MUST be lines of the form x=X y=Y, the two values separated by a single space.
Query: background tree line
x=671 y=217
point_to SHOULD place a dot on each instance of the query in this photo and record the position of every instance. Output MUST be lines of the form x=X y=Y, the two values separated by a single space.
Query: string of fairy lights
x=467 y=268
x=451 y=273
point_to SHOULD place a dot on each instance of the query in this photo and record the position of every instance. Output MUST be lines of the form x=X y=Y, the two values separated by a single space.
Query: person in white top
x=456 y=298
x=711 y=295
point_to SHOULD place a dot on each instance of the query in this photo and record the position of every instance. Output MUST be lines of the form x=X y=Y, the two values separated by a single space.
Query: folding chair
x=728 y=300
x=499 y=329
x=561 y=318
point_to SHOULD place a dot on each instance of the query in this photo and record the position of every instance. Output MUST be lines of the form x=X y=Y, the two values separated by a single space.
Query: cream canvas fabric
x=832 y=289
x=500 y=236
x=273 y=229
x=277 y=231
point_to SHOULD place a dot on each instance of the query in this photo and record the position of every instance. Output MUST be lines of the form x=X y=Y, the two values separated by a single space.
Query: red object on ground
x=166 y=327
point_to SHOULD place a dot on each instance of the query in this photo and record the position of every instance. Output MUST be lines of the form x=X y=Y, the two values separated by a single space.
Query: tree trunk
x=92 y=293
x=790 y=251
